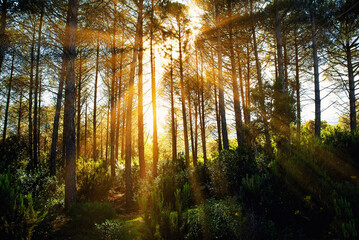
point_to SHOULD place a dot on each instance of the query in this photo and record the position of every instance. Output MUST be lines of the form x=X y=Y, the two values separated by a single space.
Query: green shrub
x=85 y=214
x=18 y=218
x=113 y=230
x=13 y=153
x=343 y=141
x=229 y=168
x=93 y=180
x=217 y=219
x=344 y=221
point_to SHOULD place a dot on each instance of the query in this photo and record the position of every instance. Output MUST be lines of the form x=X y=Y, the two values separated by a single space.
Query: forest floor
x=63 y=228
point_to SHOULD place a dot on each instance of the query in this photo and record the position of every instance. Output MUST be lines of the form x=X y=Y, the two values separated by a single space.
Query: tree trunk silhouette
x=94 y=140
x=183 y=98
x=141 y=145
x=154 y=97
x=55 y=131
x=70 y=53
x=8 y=97
x=316 y=78
x=128 y=154
x=36 y=137
x=173 y=130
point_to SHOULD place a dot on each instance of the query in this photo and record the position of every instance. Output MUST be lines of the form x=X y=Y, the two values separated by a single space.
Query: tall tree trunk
x=32 y=59
x=141 y=145
x=195 y=152
x=237 y=105
x=316 y=78
x=297 y=84
x=222 y=108
x=282 y=123
x=128 y=156
x=173 y=130
x=8 y=97
x=260 y=84
x=154 y=96
x=19 y=115
x=240 y=75
x=55 y=131
x=3 y=40
x=94 y=141
x=36 y=137
x=202 y=117
x=112 y=97
x=183 y=98
x=191 y=127
x=85 y=152
x=107 y=131
x=70 y=53
x=38 y=120
x=123 y=133
x=79 y=89
x=247 y=85
x=218 y=117
x=353 y=121
x=119 y=93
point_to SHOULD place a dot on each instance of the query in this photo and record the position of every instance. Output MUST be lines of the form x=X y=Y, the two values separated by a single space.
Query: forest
x=196 y=119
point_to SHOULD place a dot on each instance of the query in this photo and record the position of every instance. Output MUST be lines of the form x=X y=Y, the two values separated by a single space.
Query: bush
x=13 y=153
x=111 y=230
x=84 y=215
x=229 y=168
x=93 y=180
x=18 y=218
x=217 y=219
x=343 y=141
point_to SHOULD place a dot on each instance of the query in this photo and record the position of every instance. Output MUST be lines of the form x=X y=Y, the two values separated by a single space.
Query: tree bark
x=183 y=98
x=8 y=97
x=141 y=145
x=194 y=156
x=113 y=97
x=297 y=84
x=222 y=108
x=79 y=89
x=240 y=75
x=316 y=78
x=3 y=40
x=36 y=140
x=173 y=130
x=260 y=84
x=237 y=105
x=70 y=53
x=154 y=98
x=202 y=117
x=32 y=59
x=353 y=122
x=19 y=115
x=94 y=141
x=55 y=131
x=218 y=117
x=128 y=154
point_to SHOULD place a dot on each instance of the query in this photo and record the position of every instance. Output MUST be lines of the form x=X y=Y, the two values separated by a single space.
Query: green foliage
x=217 y=219
x=47 y=193
x=13 y=153
x=18 y=217
x=344 y=221
x=343 y=141
x=85 y=214
x=93 y=180
x=161 y=222
x=113 y=230
x=229 y=168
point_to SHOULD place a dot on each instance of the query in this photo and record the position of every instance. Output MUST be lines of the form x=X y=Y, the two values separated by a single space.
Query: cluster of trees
x=247 y=60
